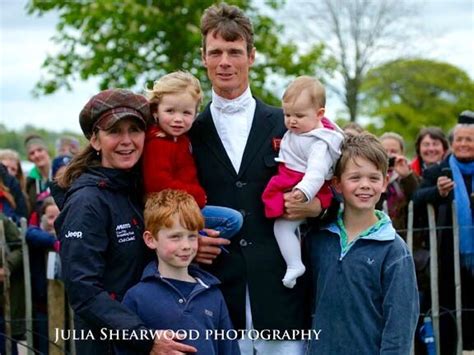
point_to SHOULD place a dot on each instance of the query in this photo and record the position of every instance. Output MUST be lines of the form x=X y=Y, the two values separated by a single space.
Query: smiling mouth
x=125 y=152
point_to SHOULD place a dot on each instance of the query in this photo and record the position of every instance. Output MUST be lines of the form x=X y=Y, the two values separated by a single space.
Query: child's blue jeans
x=223 y=219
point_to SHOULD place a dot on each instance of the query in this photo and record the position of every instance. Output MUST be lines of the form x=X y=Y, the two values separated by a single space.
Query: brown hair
x=87 y=157
x=161 y=207
x=228 y=21
x=6 y=194
x=174 y=83
x=434 y=133
x=353 y=126
x=312 y=85
x=365 y=146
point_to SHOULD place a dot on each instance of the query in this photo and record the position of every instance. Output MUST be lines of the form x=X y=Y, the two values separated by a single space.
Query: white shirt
x=313 y=153
x=233 y=120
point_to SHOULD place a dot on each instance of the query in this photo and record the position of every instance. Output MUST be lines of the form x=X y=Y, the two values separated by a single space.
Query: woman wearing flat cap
x=101 y=224
x=453 y=180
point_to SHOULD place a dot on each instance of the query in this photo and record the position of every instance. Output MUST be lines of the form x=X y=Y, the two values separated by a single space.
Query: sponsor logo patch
x=124 y=233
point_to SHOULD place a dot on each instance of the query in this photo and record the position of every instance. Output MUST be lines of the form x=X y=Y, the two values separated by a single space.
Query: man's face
x=228 y=65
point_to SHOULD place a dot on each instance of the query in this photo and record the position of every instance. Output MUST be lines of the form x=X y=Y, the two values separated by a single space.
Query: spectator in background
x=67 y=146
x=59 y=165
x=452 y=180
x=39 y=178
x=13 y=202
x=41 y=240
x=11 y=160
x=431 y=147
x=402 y=182
x=17 y=285
x=353 y=128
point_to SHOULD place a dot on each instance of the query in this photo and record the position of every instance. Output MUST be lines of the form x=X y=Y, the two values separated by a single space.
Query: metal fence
x=57 y=304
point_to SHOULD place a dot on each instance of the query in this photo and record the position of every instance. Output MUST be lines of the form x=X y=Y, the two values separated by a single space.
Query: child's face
x=50 y=215
x=361 y=184
x=175 y=247
x=301 y=116
x=176 y=113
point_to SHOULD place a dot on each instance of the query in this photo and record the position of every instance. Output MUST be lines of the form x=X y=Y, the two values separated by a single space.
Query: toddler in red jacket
x=167 y=156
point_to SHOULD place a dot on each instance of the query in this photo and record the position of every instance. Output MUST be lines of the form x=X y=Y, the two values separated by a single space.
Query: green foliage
x=405 y=95
x=14 y=139
x=131 y=43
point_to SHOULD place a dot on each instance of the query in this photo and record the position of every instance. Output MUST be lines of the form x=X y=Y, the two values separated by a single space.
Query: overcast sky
x=25 y=41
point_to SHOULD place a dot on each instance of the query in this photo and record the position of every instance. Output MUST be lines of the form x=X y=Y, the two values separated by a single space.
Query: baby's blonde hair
x=312 y=85
x=174 y=83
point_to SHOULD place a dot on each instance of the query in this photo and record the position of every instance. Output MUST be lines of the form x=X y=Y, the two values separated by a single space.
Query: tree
x=133 y=42
x=357 y=33
x=404 y=95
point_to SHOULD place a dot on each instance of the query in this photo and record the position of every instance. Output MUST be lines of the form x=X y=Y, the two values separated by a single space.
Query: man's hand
x=165 y=345
x=444 y=185
x=209 y=247
x=295 y=210
x=298 y=195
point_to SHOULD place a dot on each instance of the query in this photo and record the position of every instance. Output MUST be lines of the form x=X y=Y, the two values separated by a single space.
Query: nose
x=364 y=183
x=126 y=138
x=185 y=245
x=224 y=61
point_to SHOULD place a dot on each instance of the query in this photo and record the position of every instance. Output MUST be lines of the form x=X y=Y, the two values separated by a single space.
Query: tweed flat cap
x=109 y=106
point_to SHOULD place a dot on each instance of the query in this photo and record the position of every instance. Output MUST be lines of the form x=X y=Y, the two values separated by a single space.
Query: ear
x=320 y=113
x=252 y=56
x=203 y=58
x=149 y=240
x=336 y=183
x=95 y=142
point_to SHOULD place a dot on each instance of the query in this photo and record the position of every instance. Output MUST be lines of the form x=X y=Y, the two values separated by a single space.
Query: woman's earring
x=97 y=152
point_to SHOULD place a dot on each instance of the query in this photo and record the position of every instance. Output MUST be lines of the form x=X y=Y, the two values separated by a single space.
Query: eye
x=113 y=130
x=192 y=237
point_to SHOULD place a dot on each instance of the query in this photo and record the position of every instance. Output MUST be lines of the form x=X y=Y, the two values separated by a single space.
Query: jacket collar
x=384 y=234
x=204 y=278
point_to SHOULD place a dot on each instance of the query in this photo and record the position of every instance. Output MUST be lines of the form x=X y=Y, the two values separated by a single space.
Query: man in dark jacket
x=235 y=142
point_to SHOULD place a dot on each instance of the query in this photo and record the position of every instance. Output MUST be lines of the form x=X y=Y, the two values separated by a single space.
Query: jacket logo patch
x=74 y=235
x=208 y=313
x=124 y=233
x=370 y=261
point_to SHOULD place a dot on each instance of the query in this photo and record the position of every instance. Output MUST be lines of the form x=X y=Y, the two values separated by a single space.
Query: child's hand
x=298 y=195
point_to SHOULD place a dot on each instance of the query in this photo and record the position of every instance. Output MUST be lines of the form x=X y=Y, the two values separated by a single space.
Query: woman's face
x=463 y=143
x=121 y=146
x=431 y=150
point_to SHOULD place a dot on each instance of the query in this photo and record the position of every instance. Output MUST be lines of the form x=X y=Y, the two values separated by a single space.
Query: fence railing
x=57 y=304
